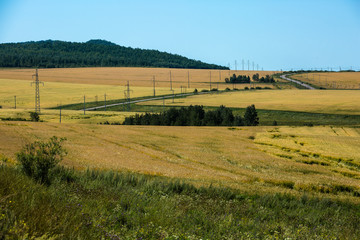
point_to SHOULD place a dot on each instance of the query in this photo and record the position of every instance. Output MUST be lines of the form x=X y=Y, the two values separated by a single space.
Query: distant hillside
x=94 y=53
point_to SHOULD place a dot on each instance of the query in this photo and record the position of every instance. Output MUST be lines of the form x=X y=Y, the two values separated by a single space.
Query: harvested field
x=141 y=77
x=331 y=80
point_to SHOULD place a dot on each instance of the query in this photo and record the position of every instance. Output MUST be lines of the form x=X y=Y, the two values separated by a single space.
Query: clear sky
x=276 y=34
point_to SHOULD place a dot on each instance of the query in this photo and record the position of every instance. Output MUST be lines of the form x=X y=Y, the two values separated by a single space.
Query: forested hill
x=94 y=53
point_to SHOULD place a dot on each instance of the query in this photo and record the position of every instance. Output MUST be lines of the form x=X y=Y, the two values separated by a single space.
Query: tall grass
x=110 y=205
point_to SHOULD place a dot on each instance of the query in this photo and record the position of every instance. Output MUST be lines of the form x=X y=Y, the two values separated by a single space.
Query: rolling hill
x=94 y=53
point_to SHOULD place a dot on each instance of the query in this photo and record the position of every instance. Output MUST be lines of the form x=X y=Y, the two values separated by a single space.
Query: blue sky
x=276 y=34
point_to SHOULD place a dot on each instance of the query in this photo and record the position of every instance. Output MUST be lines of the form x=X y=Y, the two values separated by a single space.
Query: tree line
x=195 y=116
x=94 y=53
x=246 y=79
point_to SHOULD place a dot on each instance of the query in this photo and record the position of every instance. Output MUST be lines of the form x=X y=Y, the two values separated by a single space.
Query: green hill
x=94 y=53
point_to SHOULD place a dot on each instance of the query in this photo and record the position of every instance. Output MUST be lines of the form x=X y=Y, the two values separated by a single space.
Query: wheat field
x=247 y=158
x=53 y=94
x=317 y=101
x=331 y=80
x=141 y=77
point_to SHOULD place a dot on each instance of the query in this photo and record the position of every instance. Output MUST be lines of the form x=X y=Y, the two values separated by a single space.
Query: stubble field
x=331 y=80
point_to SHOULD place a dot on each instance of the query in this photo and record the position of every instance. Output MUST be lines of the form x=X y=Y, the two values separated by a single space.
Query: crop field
x=331 y=80
x=316 y=101
x=266 y=159
x=137 y=77
x=53 y=94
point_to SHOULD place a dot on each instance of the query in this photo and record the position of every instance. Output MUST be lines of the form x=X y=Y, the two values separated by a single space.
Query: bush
x=195 y=91
x=34 y=116
x=38 y=158
x=0 y=106
x=227 y=89
x=246 y=88
x=258 y=88
x=275 y=123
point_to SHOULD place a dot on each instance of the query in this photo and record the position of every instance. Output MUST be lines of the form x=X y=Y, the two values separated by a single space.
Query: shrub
x=195 y=91
x=258 y=88
x=275 y=123
x=0 y=106
x=34 y=116
x=38 y=158
x=227 y=89
x=246 y=88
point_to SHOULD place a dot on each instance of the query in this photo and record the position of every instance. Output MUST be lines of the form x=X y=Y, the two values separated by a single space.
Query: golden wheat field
x=331 y=80
x=53 y=94
x=257 y=159
x=141 y=77
x=319 y=101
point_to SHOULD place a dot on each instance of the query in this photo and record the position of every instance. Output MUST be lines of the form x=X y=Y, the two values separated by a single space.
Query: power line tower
x=243 y=62
x=37 y=91
x=127 y=95
x=235 y=65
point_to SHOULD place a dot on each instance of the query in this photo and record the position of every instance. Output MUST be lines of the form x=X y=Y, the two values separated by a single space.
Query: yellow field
x=142 y=77
x=68 y=116
x=256 y=159
x=55 y=93
x=319 y=101
x=331 y=80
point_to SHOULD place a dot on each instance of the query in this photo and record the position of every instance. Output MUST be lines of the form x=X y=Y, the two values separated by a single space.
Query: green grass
x=110 y=205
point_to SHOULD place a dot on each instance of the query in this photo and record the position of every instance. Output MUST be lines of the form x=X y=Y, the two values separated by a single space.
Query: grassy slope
x=95 y=205
x=263 y=160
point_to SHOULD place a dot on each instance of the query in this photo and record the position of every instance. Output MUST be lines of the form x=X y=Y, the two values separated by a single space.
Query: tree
x=251 y=117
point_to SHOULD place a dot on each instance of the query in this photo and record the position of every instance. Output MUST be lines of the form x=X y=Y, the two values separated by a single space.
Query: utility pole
x=253 y=66
x=243 y=62
x=105 y=101
x=60 y=113
x=15 y=101
x=248 y=65
x=154 y=85
x=84 y=104
x=210 y=80
x=37 y=91
x=170 y=81
x=188 y=79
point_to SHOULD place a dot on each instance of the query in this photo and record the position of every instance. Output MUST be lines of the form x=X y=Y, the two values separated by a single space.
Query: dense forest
x=196 y=116
x=94 y=53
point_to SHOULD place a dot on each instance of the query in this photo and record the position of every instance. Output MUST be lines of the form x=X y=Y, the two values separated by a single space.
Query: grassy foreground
x=110 y=205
